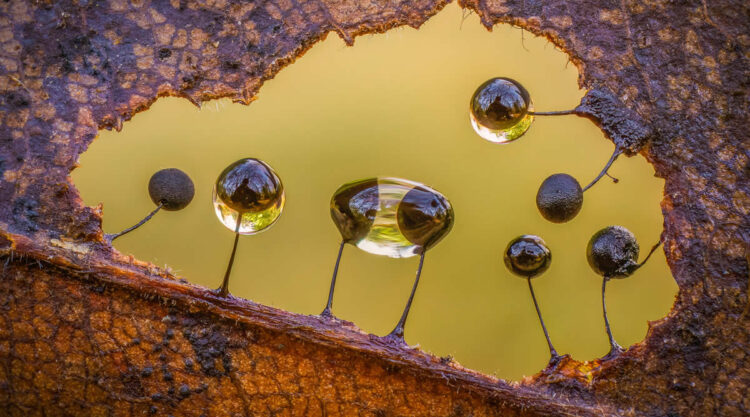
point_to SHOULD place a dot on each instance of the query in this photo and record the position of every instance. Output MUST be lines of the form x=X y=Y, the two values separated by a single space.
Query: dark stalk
x=635 y=266
x=398 y=331
x=137 y=225
x=552 y=113
x=612 y=159
x=651 y=252
x=615 y=349
x=614 y=180
x=223 y=291
x=327 y=311
x=552 y=351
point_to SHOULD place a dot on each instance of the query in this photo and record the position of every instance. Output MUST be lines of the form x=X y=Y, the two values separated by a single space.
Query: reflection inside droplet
x=499 y=110
x=390 y=216
x=251 y=223
x=527 y=256
x=250 y=188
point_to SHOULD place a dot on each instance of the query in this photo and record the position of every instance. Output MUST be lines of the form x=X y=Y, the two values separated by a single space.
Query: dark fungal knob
x=559 y=198
x=527 y=256
x=613 y=252
x=424 y=217
x=172 y=188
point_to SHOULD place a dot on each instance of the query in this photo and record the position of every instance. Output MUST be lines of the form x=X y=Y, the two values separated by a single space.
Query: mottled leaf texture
x=86 y=331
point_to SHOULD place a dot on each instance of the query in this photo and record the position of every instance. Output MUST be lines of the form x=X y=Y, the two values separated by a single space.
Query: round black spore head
x=249 y=186
x=172 y=188
x=500 y=103
x=613 y=252
x=559 y=198
x=527 y=256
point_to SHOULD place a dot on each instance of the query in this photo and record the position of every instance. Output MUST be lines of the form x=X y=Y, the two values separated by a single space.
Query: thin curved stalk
x=137 y=225
x=614 y=348
x=651 y=252
x=223 y=290
x=552 y=113
x=612 y=159
x=327 y=311
x=398 y=331
x=552 y=351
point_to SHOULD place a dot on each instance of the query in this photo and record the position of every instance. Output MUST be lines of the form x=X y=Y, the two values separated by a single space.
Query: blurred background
x=396 y=104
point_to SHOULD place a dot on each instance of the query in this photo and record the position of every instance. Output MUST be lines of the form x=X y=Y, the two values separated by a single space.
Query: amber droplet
x=248 y=198
x=499 y=110
x=391 y=216
x=251 y=189
x=353 y=209
x=424 y=216
x=527 y=256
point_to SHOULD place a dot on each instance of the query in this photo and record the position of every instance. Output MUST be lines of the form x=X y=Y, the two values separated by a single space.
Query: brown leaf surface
x=87 y=331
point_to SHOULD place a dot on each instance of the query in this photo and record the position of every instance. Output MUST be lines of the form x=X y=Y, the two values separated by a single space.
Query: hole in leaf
x=397 y=105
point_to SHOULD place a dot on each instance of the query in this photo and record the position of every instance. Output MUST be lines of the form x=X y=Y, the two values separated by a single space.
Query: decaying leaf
x=87 y=331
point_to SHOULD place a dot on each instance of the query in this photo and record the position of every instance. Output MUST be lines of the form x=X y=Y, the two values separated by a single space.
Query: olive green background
x=396 y=104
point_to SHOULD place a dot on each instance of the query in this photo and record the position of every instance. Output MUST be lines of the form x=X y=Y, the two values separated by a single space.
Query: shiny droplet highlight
x=527 y=256
x=499 y=110
x=391 y=216
x=251 y=190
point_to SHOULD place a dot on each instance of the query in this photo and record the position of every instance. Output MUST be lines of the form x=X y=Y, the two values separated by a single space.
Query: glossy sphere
x=391 y=216
x=251 y=189
x=499 y=110
x=559 y=198
x=172 y=188
x=613 y=252
x=527 y=256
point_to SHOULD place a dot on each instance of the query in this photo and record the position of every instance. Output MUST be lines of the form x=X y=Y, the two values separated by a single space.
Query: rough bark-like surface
x=86 y=331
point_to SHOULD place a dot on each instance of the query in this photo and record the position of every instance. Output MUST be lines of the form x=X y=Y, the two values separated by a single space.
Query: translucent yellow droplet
x=499 y=110
x=390 y=216
x=250 y=190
